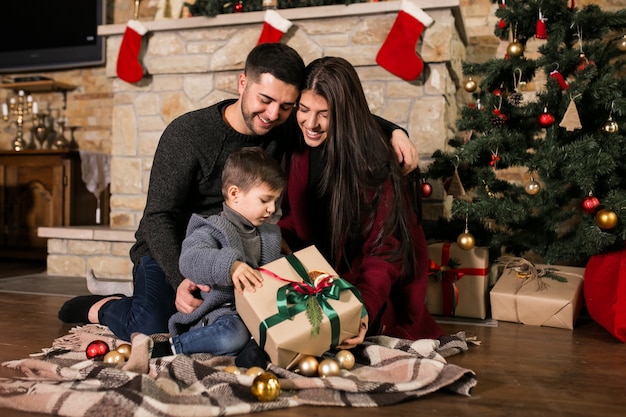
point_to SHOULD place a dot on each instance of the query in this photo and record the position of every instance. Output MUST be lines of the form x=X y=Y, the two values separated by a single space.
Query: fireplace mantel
x=338 y=10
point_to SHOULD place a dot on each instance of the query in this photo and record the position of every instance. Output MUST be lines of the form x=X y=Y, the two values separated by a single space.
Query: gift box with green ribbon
x=303 y=308
x=458 y=281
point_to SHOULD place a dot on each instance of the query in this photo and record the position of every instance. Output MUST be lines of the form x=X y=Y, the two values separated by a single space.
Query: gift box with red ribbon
x=538 y=295
x=458 y=281
x=303 y=308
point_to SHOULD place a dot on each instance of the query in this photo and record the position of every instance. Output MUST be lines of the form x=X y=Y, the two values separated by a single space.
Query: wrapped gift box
x=523 y=300
x=286 y=339
x=458 y=281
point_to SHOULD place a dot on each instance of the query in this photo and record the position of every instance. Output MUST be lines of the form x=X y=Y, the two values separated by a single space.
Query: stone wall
x=197 y=64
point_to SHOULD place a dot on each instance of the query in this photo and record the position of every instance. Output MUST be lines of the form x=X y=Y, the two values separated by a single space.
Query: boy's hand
x=243 y=275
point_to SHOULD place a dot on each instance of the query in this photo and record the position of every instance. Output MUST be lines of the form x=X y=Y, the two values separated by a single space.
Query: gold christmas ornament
x=515 y=49
x=606 y=219
x=621 y=44
x=124 y=349
x=466 y=241
x=114 y=357
x=610 y=126
x=232 y=369
x=470 y=85
x=533 y=187
x=308 y=366
x=345 y=359
x=328 y=367
x=255 y=371
x=265 y=387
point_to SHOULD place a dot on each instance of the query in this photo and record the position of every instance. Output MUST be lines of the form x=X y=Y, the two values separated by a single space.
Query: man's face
x=266 y=103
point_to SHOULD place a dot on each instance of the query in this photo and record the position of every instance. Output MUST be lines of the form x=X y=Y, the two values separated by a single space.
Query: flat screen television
x=42 y=35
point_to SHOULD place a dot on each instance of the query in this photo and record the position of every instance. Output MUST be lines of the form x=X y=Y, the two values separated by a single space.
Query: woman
x=347 y=195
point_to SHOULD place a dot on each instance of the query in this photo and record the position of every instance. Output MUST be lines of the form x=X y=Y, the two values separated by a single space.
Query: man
x=186 y=179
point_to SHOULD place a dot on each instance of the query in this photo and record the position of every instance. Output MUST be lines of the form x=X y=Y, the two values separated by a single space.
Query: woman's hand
x=405 y=151
x=186 y=300
x=358 y=339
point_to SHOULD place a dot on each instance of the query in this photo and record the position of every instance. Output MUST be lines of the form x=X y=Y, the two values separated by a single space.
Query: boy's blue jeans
x=225 y=336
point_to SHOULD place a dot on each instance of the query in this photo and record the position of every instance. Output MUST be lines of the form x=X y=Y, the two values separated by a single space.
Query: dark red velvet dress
x=394 y=308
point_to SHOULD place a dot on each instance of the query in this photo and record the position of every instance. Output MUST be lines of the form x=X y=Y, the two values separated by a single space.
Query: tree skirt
x=61 y=381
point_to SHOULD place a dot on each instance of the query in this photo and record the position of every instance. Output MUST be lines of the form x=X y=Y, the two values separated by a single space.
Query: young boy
x=223 y=250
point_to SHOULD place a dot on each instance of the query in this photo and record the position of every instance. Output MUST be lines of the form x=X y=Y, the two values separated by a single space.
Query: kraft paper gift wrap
x=285 y=339
x=459 y=291
x=547 y=302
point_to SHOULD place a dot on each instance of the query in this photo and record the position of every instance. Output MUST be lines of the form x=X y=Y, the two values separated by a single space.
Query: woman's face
x=312 y=118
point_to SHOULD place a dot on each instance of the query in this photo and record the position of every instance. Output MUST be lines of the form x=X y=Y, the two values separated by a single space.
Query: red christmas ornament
x=540 y=27
x=584 y=63
x=502 y=24
x=546 y=119
x=590 y=204
x=96 y=349
x=555 y=75
x=426 y=189
x=238 y=7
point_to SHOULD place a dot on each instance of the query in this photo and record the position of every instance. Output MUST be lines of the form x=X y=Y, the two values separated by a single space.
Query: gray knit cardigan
x=210 y=248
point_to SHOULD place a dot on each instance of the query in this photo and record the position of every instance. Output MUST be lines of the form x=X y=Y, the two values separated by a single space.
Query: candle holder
x=19 y=106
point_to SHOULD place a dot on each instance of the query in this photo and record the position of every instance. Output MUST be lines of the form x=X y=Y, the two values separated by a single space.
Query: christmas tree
x=555 y=117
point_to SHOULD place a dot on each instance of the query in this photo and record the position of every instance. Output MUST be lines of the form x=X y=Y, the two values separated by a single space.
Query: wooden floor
x=522 y=370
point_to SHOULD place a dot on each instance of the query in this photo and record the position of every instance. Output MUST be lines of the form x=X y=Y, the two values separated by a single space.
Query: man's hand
x=243 y=275
x=405 y=151
x=358 y=339
x=186 y=301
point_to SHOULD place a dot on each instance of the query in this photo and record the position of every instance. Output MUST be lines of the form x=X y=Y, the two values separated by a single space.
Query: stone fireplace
x=194 y=62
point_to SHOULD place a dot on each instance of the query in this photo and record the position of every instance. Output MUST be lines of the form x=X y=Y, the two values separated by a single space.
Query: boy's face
x=266 y=102
x=256 y=205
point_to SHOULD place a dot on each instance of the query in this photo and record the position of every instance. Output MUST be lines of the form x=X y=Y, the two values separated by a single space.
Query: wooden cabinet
x=42 y=188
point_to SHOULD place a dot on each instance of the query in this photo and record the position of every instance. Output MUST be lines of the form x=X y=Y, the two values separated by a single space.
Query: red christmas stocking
x=274 y=27
x=129 y=68
x=397 y=54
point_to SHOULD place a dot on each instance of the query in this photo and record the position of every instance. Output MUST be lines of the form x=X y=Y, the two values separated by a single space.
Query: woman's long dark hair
x=359 y=161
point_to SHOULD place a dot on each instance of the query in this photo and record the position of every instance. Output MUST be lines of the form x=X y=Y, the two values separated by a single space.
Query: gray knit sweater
x=186 y=178
x=211 y=247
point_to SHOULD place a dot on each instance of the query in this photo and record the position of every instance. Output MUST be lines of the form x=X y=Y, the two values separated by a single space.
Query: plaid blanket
x=61 y=381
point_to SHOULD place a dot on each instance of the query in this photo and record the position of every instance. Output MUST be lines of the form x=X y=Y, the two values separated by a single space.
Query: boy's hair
x=249 y=167
x=277 y=59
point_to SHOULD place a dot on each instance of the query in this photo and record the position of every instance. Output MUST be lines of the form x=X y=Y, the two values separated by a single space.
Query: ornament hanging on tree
x=456 y=189
x=584 y=63
x=571 y=120
x=540 y=27
x=611 y=127
x=606 y=219
x=533 y=187
x=502 y=23
x=545 y=119
x=558 y=77
x=517 y=96
x=515 y=49
x=470 y=85
x=466 y=240
x=590 y=204
x=238 y=7
x=495 y=157
x=499 y=118
x=426 y=189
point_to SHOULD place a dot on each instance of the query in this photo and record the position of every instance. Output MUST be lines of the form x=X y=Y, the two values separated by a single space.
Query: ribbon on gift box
x=449 y=276
x=291 y=299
